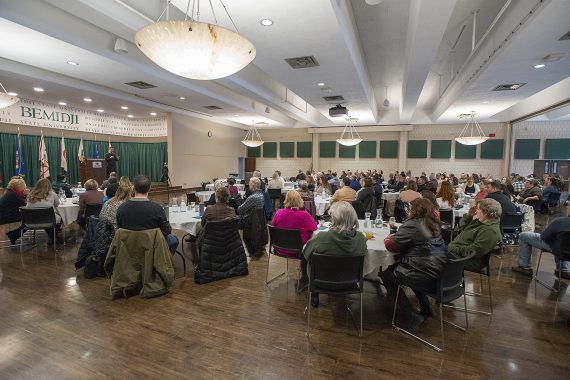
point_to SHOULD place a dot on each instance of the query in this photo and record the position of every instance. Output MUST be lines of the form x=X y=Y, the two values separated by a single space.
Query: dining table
x=322 y=203
x=210 y=186
x=205 y=195
x=68 y=211
x=188 y=221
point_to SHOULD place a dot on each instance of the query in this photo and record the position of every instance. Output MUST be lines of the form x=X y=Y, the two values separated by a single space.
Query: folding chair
x=38 y=219
x=284 y=239
x=563 y=254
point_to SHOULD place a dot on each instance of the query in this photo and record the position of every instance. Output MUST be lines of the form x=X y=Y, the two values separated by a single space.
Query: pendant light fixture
x=386 y=101
x=6 y=100
x=252 y=138
x=472 y=134
x=194 y=49
x=350 y=136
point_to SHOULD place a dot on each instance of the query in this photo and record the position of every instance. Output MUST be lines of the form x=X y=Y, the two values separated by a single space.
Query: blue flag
x=96 y=151
x=19 y=155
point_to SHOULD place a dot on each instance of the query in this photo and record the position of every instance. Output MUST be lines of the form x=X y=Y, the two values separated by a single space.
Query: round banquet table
x=322 y=204
x=210 y=186
x=205 y=195
x=68 y=212
x=188 y=221
x=390 y=196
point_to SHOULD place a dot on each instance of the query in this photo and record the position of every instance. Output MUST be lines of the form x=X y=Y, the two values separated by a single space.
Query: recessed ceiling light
x=62 y=103
x=72 y=63
x=100 y=110
x=539 y=66
x=236 y=115
x=153 y=114
x=266 y=22
x=182 y=98
x=124 y=107
x=485 y=101
x=320 y=84
x=13 y=93
x=38 y=89
x=87 y=99
x=130 y=116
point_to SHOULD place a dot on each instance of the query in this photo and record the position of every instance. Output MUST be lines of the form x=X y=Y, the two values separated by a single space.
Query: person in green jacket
x=342 y=238
x=480 y=232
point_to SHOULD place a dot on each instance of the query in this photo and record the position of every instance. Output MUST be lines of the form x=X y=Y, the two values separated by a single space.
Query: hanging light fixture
x=193 y=49
x=352 y=137
x=472 y=134
x=6 y=100
x=252 y=137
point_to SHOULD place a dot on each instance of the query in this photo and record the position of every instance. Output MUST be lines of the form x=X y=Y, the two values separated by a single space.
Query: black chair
x=335 y=275
x=311 y=208
x=38 y=219
x=450 y=286
x=359 y=208
x=511 y=227
x=91 y=209
x=284 y=239
x=274 y=195
x=563 y=254
x=446 y=217
x=191 y=197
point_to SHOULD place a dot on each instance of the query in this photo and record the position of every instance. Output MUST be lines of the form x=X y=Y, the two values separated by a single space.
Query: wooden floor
x=55 y=324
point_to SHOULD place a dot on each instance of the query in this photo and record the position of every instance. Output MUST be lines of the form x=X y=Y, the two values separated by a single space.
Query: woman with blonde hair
x=445 y=195
x=10 y=203
x=42 y=196
x=276 y=182
x=292 y=216
x=123 y=194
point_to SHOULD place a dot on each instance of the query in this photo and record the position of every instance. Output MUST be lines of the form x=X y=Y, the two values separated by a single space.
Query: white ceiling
x=408 y=46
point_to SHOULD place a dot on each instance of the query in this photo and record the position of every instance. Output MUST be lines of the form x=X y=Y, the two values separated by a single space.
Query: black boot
x=315 y=299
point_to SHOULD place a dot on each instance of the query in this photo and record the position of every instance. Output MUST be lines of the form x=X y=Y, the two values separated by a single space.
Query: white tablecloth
x=390 y=196
x=188 y=221
x=205 y=195
x=68 y=212
x=285 y=189
x=322 y=204
x=210 y=186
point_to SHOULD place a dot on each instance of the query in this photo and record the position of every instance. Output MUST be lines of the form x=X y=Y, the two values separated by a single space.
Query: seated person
x=260 y=186
x=422 y=256
x=427 y=194
x=366 y=197
x=301 y=176
x=531 y=192
x=43 y=196
x=10 y=203
x=219 y=210
x=310 y=183
x=483 y=190
x=342 y=239
x=232 y=188
x=551 y=192
x=345 y=193
x=479 y=232
x=355 y=183
x=61 y=183
x=495 y=191
x=292 y=216
x=304 y=191
x=548 y=240
x=470 y=186
x=276 y=182
x=410 y=193
x=110 y=192
x=107 y=181
x=123 y=194
x=217 y=185
x=140 y=213
x=323 y=186
x=399 y=182
x=90 y=195
x=445 y=195
x=253 y=202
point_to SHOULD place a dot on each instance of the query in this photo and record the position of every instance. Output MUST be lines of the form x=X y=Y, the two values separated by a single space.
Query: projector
x=338 y=111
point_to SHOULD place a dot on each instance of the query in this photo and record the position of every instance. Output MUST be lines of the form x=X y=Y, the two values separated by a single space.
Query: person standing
x=111 y=158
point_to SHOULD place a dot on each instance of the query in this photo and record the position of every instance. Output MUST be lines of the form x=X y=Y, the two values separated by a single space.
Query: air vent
x=464 y=115
x=262 y=123
x=509 y=87
x=142 y=85
x=333 y=98
x=213 y=108
x=565 y=37
x=302 y=62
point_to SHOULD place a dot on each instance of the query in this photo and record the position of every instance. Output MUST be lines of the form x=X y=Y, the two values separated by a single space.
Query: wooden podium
x=92 y=168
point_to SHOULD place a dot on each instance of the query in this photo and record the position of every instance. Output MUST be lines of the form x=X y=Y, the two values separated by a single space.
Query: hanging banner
x=45 y=115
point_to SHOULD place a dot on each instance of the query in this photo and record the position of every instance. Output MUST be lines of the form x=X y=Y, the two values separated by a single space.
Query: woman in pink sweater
x=293 y=217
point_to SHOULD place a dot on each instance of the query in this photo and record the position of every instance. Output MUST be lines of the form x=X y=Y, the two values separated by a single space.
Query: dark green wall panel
x=440 y=148
x=389 y=149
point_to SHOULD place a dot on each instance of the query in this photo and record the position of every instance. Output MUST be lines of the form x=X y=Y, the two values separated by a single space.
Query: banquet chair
x=511 y=227
x=311 y=208
x=34 y=219
x=446 y=217
x=450 y=286
x=191 y=197
x=563 y=254
x=274 y=195
x=91 y=209
x=288 y=240
x=335 y=275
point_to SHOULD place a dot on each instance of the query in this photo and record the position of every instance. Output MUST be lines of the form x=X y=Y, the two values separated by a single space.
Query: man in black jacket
x=496 y=194
x=549 y=240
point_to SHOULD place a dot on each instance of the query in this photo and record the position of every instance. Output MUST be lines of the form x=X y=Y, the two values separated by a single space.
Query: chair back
x=336 y=274
x=511 y=221
x=311 y=208
x=285 y=239
x=401 y=211
x=450 y=281
x=267 y=206
x=37 y=218
x=446 y=216
x=191 y=197
x=564 y=252
x=92 y=209
x=274 y=193
x=359 y=208
x=552 y=199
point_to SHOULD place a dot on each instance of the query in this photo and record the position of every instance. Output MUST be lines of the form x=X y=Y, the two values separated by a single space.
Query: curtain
x=136 y=158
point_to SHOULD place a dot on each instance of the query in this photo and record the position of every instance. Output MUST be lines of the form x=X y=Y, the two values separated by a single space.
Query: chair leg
x=308 y=311
x=360 y=332
x=267 y=271
x=536 y=279
x=441 y=326
x=490 y=293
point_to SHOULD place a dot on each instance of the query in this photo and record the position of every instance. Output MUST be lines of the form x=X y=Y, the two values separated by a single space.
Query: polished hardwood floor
x=55 y=324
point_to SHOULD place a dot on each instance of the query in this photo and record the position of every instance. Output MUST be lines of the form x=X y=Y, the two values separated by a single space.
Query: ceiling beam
x=426 y=27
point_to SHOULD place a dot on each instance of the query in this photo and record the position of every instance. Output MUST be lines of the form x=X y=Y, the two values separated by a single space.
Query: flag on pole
x=63 y=157
x=96 y=151
x=44 y=164
x=110 y=146
x=19 y=155
x=80 y=153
